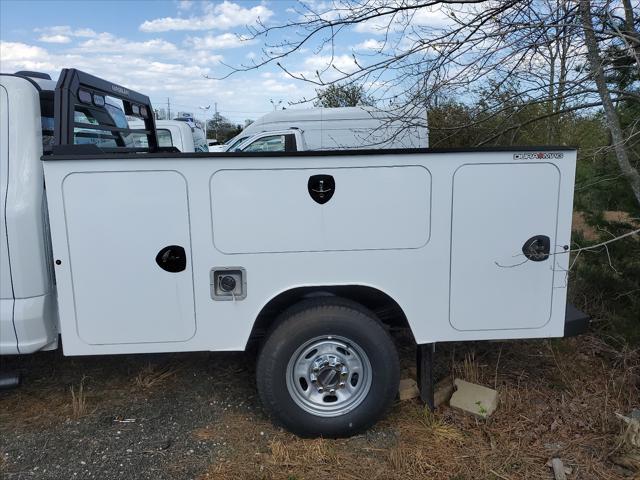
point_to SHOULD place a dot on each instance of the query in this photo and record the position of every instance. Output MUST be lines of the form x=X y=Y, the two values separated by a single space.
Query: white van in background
x=331 y=129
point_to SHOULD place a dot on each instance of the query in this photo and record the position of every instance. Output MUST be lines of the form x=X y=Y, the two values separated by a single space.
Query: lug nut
x=320 y=390
x=332 y=390
x=342 y=384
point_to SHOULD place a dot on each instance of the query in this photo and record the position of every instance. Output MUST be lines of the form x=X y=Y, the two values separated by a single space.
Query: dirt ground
x=197 y=416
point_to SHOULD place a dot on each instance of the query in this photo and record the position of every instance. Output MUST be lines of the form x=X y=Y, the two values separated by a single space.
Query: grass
x=469 y=369
x=535 y=421
x=153 y=375
x=557 y=398
x=79 y=400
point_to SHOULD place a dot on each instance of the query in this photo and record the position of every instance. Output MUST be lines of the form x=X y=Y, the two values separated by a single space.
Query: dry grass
x=301 y=453
x=469 y=369
x=33 y=409
x=42 y=402
x=581 y=226
x=153 y=375
x=78 y=400
x=592 y=233
x=558 y=398
x=619 y=216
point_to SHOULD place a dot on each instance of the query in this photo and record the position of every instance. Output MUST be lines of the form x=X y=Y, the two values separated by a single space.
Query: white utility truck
x=313 y=255
x=170 y=133
x=345 y=128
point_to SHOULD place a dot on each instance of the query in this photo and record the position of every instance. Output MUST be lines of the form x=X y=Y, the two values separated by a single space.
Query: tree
x=221 y=128
x=347 y=95
x=596 y=65
x=561 y=56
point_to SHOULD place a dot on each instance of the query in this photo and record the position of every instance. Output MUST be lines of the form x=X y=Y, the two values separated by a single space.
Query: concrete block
x=408 y=389
x=475 y=399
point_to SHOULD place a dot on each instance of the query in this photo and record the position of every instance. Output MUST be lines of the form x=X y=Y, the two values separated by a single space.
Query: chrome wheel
x=329 y=376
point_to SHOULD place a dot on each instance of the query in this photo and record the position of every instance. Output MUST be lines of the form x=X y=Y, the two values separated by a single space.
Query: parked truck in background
x=172 y=133
x=137 y=248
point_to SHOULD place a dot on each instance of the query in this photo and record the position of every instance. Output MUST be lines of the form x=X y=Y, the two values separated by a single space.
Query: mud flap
x=424 y=364
x=576 y=322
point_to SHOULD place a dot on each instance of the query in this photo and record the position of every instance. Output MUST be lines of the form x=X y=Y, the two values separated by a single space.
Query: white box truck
x=139 y=250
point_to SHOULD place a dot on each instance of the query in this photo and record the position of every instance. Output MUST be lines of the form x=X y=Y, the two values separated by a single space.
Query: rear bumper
x=576 y=322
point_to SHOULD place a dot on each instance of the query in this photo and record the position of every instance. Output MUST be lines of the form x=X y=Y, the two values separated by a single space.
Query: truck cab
x=29 y=314
x=28 y=309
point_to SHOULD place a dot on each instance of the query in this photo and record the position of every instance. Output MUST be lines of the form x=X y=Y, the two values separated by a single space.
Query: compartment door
x=497 y=209
x=130 y=256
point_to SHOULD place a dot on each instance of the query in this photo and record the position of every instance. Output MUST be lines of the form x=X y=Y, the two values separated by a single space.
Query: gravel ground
x=197 y=416
x=133 y=428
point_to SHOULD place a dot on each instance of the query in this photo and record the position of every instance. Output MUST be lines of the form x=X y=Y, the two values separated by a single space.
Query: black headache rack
x=90 y=117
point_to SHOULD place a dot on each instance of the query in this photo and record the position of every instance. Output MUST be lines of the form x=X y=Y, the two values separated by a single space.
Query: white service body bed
x=440 y=233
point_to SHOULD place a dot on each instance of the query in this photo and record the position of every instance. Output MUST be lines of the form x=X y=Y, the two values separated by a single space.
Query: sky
x=165 y=49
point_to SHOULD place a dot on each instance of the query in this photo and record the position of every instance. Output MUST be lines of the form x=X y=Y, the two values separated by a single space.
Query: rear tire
x=328 y=368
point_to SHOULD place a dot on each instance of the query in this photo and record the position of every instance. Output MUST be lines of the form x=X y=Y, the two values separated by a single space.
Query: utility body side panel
x=396 y=212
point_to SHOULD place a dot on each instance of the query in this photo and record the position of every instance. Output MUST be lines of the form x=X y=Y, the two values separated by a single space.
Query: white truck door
x=497 y=208
x=130 y=256
x=8 y=340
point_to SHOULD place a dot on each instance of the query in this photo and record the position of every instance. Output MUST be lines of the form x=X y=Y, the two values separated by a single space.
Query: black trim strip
x=69 y=153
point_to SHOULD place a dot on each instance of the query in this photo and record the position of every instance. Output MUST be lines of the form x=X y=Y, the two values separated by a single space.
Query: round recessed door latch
x=537 y=248
x=172 y=258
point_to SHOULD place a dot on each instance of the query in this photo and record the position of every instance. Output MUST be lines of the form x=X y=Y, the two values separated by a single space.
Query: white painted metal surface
x=116 y=223
x=8 y=340
x=440 y=233
x=259 y=211
x=34 y=312
x=224 y=194
x=496 y=208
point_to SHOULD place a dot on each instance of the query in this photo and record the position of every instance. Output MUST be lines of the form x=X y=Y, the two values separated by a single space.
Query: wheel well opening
x=381 y=304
